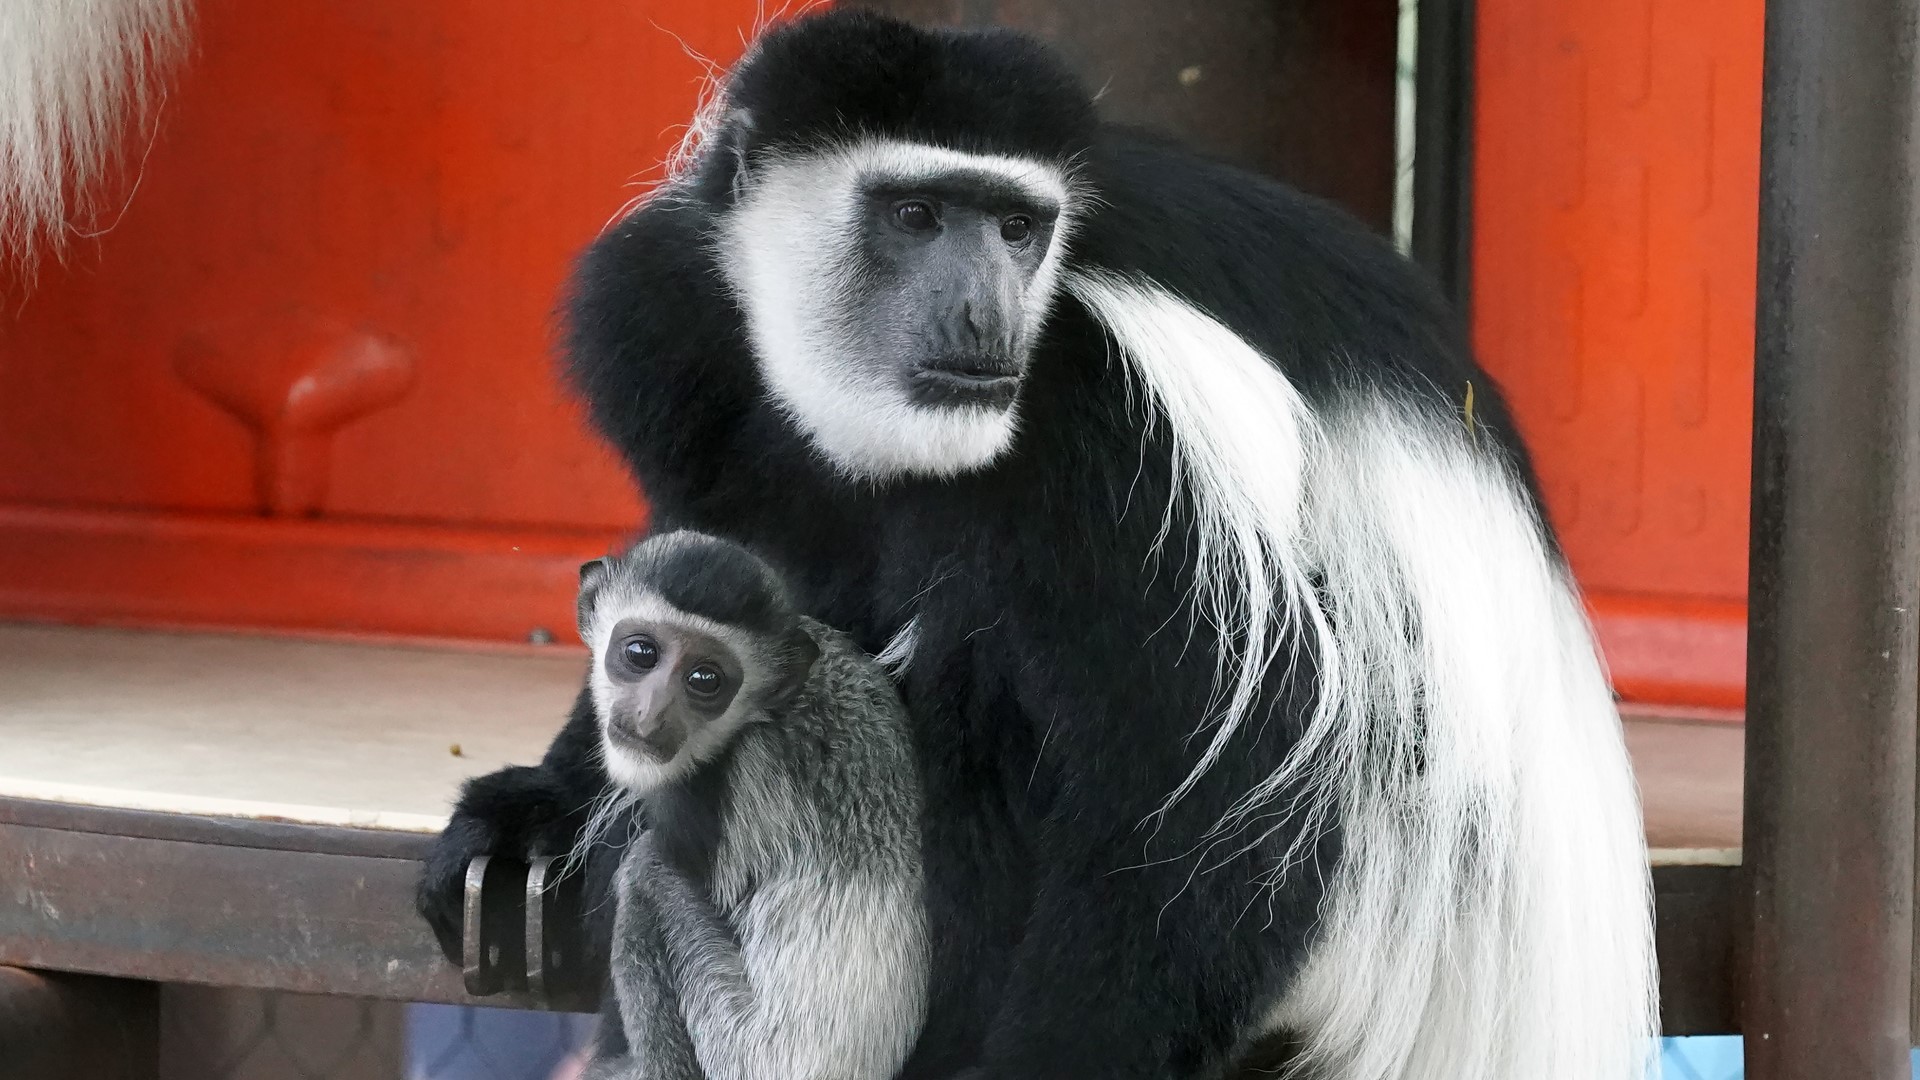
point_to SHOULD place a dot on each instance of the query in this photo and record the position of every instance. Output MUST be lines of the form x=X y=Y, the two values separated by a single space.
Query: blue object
x=1713 y=1057
x=453 y=1042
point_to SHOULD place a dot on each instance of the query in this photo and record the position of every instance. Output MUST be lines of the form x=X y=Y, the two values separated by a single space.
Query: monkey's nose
x=656 y=738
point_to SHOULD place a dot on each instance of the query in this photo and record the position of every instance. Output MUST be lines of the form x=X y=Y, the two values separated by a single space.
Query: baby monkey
x=769 y=921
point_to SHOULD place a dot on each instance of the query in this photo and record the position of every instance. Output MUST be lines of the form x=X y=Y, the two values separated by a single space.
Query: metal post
x=1443 y=147
x=1832 y=649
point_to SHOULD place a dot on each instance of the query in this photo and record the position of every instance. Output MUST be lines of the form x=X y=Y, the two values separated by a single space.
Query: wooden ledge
x=1690 y=770
x=274 y=729
x=251 y=812
x=365 y=736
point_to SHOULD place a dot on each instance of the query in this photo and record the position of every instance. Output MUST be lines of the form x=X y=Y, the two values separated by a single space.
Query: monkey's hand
x=520 y=812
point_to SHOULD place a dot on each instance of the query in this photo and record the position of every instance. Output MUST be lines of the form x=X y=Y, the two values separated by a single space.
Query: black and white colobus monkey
x=769 y=917
x=1250 y=689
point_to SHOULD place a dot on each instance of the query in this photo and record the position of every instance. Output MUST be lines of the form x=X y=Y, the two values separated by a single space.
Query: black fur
x=988 y=91
x=721 y=582
x=686 y=819
x=523 y=811
x=1059 y=673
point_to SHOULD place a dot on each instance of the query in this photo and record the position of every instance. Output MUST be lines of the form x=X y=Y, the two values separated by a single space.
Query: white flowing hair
x=70 y=72
x=1490 y=914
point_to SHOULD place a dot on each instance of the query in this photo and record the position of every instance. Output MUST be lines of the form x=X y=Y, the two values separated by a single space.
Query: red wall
x=1616 y=175
x=306 y=378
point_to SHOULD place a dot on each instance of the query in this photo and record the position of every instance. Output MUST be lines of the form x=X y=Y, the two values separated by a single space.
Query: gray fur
x=806 y=954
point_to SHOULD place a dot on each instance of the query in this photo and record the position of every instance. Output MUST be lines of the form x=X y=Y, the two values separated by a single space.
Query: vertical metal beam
x=1835 y=556
x=1443 y=147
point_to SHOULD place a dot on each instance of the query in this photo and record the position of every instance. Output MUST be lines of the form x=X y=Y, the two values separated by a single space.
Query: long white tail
x=70 y=70
x=1491 y=915
x=1490 y=918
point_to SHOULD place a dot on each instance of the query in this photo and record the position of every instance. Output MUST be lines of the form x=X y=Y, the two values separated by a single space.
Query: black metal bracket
x=525 y=935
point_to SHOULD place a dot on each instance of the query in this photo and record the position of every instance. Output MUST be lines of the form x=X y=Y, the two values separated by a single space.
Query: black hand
x=517 y=812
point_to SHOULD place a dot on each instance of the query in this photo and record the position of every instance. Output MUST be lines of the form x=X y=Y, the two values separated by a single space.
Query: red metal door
x=1616 y=168
x=306 y=379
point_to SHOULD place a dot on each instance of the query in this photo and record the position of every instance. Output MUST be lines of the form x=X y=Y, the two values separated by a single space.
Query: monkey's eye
x=640 y=653
x=1016 y=229
x=704 y=681
x=916 y=215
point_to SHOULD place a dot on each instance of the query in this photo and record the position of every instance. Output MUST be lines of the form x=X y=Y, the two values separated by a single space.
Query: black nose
x=976 y=326
x=985 y=325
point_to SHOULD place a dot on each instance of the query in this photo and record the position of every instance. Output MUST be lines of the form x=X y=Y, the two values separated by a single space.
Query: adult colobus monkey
x=69 y=69
x=1249 y=685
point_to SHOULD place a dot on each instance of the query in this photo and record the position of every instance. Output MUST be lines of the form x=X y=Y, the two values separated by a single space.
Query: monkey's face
x=894 y=292
x=668 y=684
x=675 y=679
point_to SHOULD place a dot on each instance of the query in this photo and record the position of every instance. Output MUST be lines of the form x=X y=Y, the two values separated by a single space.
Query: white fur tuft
x=1490 y=915
x=69 y=71
x=1240 y=434
x=898 y=655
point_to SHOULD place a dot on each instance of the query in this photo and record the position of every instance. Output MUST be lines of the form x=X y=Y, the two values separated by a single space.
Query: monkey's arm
x=653 y=1043
x=818 y=983
x=516 y=812
x=1148 y=952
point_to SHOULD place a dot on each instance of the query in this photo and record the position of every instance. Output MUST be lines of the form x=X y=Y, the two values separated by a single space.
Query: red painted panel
x=1671 y=650
x=331 y=297
x=251 y=573
x=304 y=381
x=1615 y=200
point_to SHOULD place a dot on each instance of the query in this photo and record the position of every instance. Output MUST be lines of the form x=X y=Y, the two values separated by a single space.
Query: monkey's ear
x=737 y=130
x=804 y=652
x=593 y=574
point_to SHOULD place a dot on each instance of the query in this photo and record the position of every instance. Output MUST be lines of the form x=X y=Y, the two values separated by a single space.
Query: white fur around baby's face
x=629 y=764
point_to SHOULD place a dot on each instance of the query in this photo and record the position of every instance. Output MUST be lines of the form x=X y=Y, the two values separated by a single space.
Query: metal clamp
x=524 y=936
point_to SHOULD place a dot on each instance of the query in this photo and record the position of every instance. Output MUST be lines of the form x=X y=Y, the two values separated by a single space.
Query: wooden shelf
x=1690 y=771
x=316 y=733
x=251 y=811
x=356 y=735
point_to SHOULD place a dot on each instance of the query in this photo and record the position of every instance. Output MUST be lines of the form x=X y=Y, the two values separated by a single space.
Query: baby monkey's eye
x=640 y=653
x=916 y=215
x=704 y=681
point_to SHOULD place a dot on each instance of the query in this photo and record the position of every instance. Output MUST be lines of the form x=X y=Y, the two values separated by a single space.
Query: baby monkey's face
x=668 y=682
x=668 y=693
x=692 y=638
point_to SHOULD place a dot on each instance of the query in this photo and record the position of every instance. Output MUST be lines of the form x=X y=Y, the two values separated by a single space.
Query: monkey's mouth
x=977 y=381
x=658 y=746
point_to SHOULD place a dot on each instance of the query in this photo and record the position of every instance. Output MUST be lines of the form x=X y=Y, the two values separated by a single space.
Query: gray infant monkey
x=769 y=921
